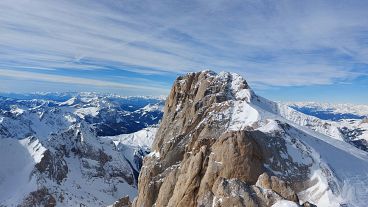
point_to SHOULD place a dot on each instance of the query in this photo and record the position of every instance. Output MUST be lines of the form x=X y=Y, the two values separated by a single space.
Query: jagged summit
x=232 y=83
x=219 y=144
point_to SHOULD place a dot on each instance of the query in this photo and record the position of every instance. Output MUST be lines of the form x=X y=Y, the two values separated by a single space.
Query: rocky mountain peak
x=195 y=86
x=196 y=99
x=207 y=152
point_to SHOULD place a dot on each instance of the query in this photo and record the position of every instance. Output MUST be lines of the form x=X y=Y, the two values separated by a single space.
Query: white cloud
x=22 y=75
x=282 y=43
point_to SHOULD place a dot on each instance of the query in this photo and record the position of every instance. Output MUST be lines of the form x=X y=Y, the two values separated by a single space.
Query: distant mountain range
x=61 y=148
x=332 y=112
x=347 y=122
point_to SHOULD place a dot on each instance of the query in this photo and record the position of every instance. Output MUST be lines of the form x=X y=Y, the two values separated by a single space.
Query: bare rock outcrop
x=279 y=186
x=123 y=202
x=41 y=197
x=54 y=166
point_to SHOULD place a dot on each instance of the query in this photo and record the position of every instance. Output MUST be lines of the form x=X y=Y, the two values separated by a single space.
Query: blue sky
x=287 y=50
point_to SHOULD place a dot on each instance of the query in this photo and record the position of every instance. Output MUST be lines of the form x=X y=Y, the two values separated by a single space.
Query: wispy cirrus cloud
x=272 y=43
x=23 y=75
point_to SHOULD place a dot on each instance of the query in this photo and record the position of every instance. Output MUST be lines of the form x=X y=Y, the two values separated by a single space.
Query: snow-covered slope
x=326 y=127
x=51 y=154
x=142 y=138
x=17 y=159
x=339 y=170
x=135 y=145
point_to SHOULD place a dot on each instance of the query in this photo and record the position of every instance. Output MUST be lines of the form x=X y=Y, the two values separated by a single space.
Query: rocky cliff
x=207 y=151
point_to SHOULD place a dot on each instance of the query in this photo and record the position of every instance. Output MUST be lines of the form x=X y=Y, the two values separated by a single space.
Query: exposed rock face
x=54 y=166
x=277 y=185
x=123 y=202
x=95 y=160
x=198 y=161
x=40 y=197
